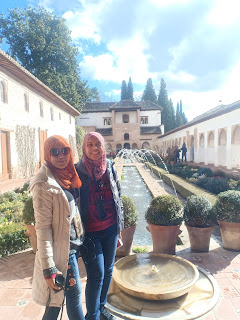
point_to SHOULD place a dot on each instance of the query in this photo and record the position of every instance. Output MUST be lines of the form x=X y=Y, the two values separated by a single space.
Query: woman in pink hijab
x=102 y=215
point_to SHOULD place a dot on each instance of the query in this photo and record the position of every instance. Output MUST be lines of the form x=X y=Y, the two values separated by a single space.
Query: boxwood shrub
x=12 y=238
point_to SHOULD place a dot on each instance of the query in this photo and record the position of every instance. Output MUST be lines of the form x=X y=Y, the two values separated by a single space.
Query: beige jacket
x=52 y=215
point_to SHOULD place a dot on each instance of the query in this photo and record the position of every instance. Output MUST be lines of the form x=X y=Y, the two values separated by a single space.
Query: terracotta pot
x=199 y=238
x=31 y=233
x=230 y=232
x=164 y=238
x=127 y=239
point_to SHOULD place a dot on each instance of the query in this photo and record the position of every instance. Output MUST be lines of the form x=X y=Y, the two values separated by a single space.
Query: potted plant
x=198 y=219
x=130 y=222
x=227 y=210
x=29 y=222
x=164 y=217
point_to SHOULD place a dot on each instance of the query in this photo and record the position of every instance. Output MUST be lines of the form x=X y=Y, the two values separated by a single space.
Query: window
x=52 y=114
x=125 y=118
x=26 y=101
x=41 y=108
x=144 y=120
x=60 y=116
x=107 y=121
x=70 y=119
x=3 y=91
x=126 y=136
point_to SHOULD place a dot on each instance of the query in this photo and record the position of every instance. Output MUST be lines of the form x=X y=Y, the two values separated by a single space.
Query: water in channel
x=134 y=187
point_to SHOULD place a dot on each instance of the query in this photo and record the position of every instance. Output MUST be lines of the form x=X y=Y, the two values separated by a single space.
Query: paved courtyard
x=16 y=277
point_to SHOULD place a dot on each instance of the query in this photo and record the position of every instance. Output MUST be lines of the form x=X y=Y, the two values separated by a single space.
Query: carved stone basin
x=155 y=276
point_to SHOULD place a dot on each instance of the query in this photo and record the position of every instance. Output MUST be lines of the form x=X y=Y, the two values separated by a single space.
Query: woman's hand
x=51 y=283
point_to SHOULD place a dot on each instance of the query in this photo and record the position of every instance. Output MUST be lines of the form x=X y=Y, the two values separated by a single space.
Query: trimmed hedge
x=12 y=238
x=182 y=186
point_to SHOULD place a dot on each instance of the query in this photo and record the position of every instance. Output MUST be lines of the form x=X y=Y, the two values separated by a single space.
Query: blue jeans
x=98 y=253
x=73 y=293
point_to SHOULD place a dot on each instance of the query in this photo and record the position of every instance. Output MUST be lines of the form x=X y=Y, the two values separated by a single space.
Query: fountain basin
x=155 y=276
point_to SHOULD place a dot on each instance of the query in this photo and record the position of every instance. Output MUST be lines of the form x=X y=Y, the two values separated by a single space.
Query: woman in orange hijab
x=55 y=190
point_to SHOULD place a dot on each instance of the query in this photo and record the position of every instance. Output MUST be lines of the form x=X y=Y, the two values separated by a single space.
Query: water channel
x=134 y=187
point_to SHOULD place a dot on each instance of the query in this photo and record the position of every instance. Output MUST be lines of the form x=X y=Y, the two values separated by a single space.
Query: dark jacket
x=115 y=187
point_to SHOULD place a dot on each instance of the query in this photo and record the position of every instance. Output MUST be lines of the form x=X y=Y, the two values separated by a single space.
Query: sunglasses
x=55 y=151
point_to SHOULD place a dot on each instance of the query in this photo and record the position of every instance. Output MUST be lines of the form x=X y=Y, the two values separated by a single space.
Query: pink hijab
x=94 y=167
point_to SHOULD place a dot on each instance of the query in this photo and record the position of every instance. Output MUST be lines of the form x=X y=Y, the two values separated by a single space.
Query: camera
x=59 y=281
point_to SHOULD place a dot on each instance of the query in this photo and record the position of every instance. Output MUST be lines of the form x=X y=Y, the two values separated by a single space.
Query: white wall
x=93 y=119
x=228 y=155
x=13 y=113
x=154 y=117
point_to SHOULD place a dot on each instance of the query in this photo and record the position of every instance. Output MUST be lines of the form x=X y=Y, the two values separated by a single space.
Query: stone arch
x=125 y=118
x=201 y=140
x=118 y=147
x=134 y=146
x=126 y=145
x=108 y=148
x=192 y=149
x=236 y=135
x=211 y=139
x=146 y=145
x=222 y=139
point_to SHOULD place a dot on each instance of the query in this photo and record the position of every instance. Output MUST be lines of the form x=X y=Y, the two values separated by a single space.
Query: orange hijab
x=66 y=177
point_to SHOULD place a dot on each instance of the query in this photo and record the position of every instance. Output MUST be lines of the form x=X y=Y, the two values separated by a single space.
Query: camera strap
x=48 y=303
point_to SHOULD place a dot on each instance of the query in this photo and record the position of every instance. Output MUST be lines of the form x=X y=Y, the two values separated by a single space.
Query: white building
x=124 y=124
x=211 y=138
x=29 y=113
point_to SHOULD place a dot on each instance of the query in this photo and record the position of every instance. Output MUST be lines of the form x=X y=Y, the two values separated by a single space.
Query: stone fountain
x=158 y=286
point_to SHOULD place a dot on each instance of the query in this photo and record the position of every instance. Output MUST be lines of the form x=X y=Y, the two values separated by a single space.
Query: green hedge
x=12 y=238
x=182 y=186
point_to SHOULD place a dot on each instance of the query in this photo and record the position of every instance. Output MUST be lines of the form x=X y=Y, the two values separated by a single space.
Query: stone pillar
x=216 y=148
x=229 y=147
x=206 y=148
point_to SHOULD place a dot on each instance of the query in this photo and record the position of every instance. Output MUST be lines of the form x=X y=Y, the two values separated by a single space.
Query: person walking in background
x=177 y=153
x=184 y=151
x=102 y=215
x=55 y=190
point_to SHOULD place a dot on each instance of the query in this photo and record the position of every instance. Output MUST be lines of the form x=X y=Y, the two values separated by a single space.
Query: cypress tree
x=164 y=103
x=130 y=90
x=178 y=116
x=149 y=92
x=172 y=115
x=124 y=91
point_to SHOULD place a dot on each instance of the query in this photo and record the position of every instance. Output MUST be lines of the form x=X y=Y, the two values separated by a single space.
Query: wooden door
x=42 y=139
x=5 y=173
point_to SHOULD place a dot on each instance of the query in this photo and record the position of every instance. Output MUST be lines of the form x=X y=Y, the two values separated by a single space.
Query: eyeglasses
x=55 y=151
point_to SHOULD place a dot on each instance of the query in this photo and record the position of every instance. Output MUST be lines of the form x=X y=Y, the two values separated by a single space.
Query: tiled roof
x=121 y=105
x=105 y=132
x=150 y=130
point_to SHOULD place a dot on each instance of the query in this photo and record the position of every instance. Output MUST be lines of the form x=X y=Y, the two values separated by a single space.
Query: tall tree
x=149 y=92
x=41 y=42
x=172 y=115
x=93 y=94
x=130 y=90
x=124 y=91
x=178 y=116
x=164 y=103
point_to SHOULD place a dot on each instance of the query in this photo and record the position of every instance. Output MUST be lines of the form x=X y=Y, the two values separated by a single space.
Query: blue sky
x=193 y=44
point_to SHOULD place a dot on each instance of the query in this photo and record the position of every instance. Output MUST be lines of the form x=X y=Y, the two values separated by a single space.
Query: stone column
x=206 y=148
x=229 y=147
x=216 y=148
